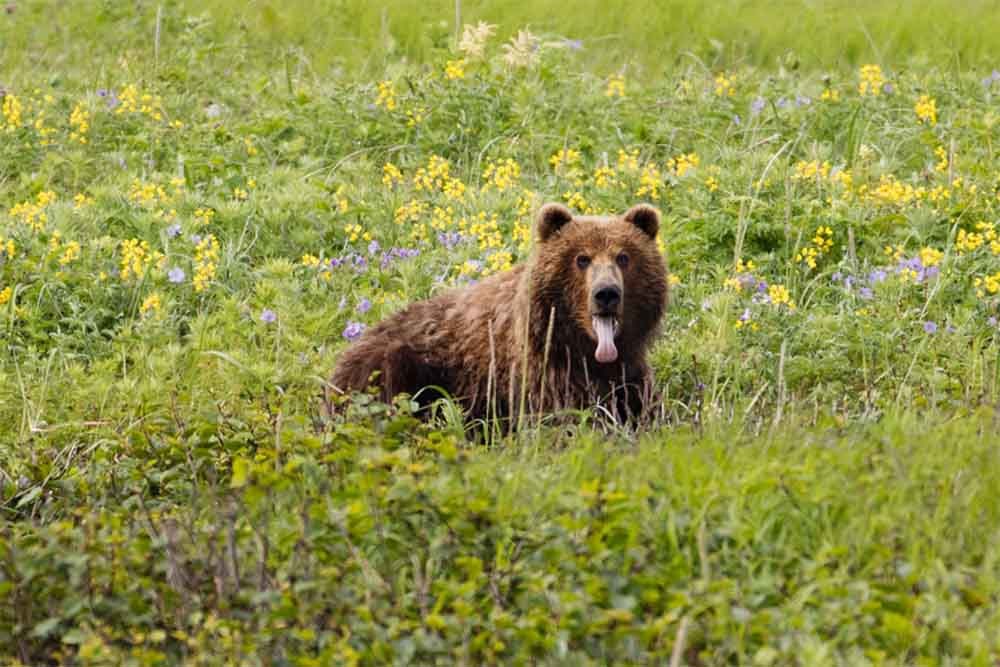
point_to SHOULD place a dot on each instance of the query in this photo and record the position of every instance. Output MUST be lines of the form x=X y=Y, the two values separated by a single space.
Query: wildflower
x=926 y=110
x=778 y=295
x=454 y=69
x=866 y=293
x=724 y=85
x=757 y=105
x=802 y=101
x=5 y=294
x=522 y=50
x=930 y=327
x=616 y=86
x=930 y=257
x=683 y=163
x=79 y=122
x=565 y=156
x=473 y=40
x=391 y=175
x=206 y=256
x=11 y=111
x=151 y=305
x=872 y=80
x=364 y=305
x=943 y=161
x=176 y=275
x=386 y=96
x=353 y=330
x=268 y=316
x=830 y=95
x=991 y=79
x=502 y=175
x=173 y=230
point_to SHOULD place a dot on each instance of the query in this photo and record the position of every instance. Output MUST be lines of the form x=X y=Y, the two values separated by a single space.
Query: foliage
x=189 y=237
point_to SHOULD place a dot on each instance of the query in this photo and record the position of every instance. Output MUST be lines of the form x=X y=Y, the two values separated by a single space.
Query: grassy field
x=202 y=205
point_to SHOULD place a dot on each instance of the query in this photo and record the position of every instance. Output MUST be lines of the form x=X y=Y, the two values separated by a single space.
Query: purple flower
x=449 y=239
x=782 y=103
x=889 y=88
x=866 y=293
x=196 y=239
x=574 y=44
x=364 y=305
x=876 y=276
x=102 y=92
x=757 y=105
x=353 y=330
x=762 y=286
x=174 y=230
x=991 y=79
x=930 y=327
x=836 y=276
x=373 y=247
x=992 y=321
x=848 y=282
x=736 y=119
x=745 y=317
x=335 y=262
x=176 y=275
x=267 y=316
x=802 y=100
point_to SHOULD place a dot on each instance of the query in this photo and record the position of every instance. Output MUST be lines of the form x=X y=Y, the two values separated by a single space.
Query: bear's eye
x=582 y=261
x=622 y=260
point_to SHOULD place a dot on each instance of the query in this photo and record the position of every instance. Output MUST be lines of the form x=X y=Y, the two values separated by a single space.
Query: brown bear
x=569 y=328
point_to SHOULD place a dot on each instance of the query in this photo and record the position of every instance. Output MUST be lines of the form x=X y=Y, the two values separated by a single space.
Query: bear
x=569 y=328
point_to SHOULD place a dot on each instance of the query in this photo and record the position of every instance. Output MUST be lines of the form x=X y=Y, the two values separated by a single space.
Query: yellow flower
x=780 y=296
x=872 y=81
x=930 y=257
x=683 y=163
x=151 y=305
x=724 y=85
x=5 y=295
x=135 y=259
x=310 y=261
x=11 y=111
x=454 y=69
x=391 y=175
x=566 y=156
x=830 y=95
x=386 y=96
x=79 y=122
x=616 y=86
x=650 y=182
x=502 y=175
x=926 y=110
x=206 y=256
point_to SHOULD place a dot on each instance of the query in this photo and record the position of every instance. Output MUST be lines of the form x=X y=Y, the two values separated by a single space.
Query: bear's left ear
x=645 y=217
x=551 y=219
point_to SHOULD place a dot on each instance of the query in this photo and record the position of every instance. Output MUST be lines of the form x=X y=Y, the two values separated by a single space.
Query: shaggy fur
x=527 y=337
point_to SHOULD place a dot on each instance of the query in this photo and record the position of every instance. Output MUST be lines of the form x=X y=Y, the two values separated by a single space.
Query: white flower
x=522 y=51
x=474 y=38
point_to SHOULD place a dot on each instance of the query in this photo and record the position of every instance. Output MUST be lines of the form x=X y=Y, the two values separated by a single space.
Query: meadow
x=201 y=207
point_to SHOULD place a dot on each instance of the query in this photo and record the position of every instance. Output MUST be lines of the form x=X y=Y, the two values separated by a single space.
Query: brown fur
x=486 y=343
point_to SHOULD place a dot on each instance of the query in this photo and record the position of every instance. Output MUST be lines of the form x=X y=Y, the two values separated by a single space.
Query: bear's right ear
x=551 y=219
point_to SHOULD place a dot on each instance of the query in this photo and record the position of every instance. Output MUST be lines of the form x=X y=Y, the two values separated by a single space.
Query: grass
x=193 y=227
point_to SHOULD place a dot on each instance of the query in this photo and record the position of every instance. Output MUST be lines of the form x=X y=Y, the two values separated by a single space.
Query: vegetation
x=202 y=205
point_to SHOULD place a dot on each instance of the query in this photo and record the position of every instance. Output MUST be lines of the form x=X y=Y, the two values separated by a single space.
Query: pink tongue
x=606 y=352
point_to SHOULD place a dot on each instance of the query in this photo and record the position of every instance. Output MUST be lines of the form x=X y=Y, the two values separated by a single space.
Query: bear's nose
x=608 y=298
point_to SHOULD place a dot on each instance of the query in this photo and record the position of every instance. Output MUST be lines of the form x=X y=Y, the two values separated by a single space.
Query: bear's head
x=603 y=277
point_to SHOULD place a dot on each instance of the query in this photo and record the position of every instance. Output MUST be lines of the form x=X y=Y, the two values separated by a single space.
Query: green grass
x=818 y=486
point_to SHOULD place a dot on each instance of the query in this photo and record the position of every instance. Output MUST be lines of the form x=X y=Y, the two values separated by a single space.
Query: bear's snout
x=607 y=298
